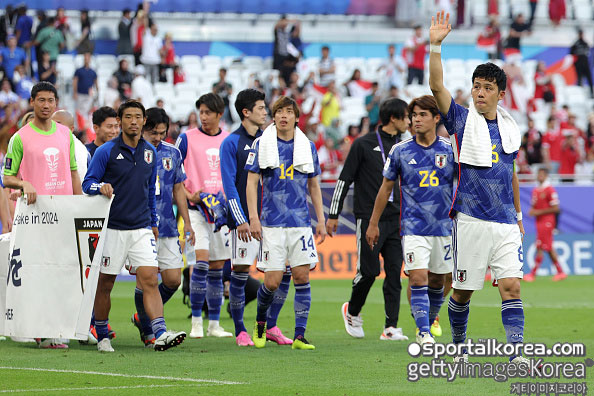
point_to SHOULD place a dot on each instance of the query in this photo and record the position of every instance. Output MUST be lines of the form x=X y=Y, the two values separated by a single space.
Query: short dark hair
x=392 y=107
x=247 y=99
x=130 y=103
x=213 y=101
x=325 y=47
x=285 y=101
x=491 y=72
x=543 y=169
x=102 y=114
x=154 y=117
x=425 y=102
x=43 y=86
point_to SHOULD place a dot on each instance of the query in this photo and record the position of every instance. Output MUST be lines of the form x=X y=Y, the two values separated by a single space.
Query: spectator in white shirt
x=151 y=56
x=142 y=89
x=327 y=68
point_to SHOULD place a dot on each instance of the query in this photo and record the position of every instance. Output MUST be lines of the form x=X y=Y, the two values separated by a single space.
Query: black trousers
x=582 y=68
x=415 y=74
x=368 y=268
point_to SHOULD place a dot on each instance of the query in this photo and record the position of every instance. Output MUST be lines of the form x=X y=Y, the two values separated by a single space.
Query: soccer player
x=288 y=170
x=42 y=154
x=105 y=126
x=424 y=166
x=199 y=148
x=486 y=205
x=364 y=166
x=169 y=184
x=545 y=206
x=235 y=148
x=125 y=168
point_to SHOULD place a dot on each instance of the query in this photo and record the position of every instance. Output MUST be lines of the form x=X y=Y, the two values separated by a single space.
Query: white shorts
x=293 y=244
x=479 y=244
x=138 y=247
x=243 y=253
x=217 y=243
x=169 y=255
x=433 y=253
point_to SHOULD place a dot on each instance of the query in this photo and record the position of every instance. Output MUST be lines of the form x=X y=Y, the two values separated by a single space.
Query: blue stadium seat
x=202 y=6
x=272 y=7
x=229 y=5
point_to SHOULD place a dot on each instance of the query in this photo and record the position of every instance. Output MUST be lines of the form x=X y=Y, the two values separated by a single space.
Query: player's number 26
x=433 y=180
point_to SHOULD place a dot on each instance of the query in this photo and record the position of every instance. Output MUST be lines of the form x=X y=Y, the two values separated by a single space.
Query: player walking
x=545 y=206
x=486 y=206
x=126 y=167
x=235 y=149
x=169 y=184
x=288 y=164
x=424 y=166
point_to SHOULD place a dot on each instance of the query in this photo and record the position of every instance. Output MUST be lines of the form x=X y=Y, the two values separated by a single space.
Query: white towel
x=476 y=147
x=268 y=151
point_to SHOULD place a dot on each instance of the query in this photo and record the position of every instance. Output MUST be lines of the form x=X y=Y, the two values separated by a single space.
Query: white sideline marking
x=95 y=388
x=198 y=380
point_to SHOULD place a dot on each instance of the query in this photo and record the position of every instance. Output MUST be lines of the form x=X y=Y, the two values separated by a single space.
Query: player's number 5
x=433 y=180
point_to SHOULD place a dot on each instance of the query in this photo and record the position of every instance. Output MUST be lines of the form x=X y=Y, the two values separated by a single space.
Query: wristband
x=519 y=215
x=435 y=48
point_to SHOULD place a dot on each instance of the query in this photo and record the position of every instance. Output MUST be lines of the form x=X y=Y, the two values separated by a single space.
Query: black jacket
x=364 y=166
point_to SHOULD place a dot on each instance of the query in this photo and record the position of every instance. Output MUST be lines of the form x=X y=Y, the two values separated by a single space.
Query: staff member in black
x=581 y=51
x=364 y=166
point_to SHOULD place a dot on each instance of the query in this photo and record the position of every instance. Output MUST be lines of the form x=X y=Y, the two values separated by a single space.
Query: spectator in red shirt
x=329 y=159
x=167 y=53
x=415 y=50
x=551 y=144
x=570 y=156
x=545 y=207
x=543 y=85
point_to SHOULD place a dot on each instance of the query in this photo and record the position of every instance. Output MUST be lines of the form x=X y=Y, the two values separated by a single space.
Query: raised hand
x=440 y=28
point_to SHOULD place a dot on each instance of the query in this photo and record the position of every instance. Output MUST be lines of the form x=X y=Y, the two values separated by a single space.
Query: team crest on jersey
x=410 y=257
x=242 y=252
x=87 y=240
x=105 y=261
x=441 y=160
x=148 y=156
x=167 y=163
x=461 y=275
x=265 y=255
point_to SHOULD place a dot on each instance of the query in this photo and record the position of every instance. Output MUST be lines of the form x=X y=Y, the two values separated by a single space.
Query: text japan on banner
x=55 y=250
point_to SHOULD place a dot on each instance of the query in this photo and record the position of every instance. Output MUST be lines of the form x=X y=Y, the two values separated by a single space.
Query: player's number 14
x=286 y=174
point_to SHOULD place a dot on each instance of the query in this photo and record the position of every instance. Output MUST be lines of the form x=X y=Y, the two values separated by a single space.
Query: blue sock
x=101 y=328
x=198 y=287
x=158 y=326
x=301 y=305
x=458 y=319
x=435 y=302
x=214 y=293
x=419 y=306
x=512 y=316
x=144 y=319
x=237 y=299
x=265 y=298
x=166 y=293
x=280 y=295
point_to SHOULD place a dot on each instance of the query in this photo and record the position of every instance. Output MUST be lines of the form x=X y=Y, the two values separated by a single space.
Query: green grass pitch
x=340 y=365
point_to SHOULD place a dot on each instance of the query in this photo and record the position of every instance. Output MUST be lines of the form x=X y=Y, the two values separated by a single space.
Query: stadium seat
x=229 y=5
x=163 y=89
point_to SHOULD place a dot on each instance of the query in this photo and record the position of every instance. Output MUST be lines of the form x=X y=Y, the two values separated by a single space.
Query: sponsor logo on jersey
x=377 y=148
x=120 y=156
x=412 y=162
x=250 y=159
x=246 y=147
x=8 y=163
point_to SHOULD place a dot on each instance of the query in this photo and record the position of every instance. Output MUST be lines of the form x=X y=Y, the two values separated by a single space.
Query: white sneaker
x=169 y=339
x=197 y=329
x=215 y=330
x=425 y=338
x=393 y=334
x=352 y=324
x=105 y=345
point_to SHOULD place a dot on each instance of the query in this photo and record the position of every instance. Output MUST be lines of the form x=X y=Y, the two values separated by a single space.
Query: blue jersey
x=170 y=171
x=132 y=172
x=426 y=180
x=284 y=199
x=234 y=153
x=483 y=193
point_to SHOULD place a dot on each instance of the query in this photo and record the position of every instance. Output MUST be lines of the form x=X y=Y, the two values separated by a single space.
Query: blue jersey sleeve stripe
x=182 y=145
x=94 y=176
